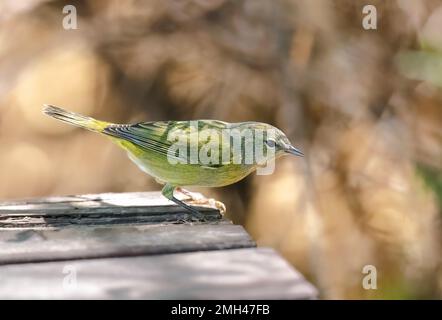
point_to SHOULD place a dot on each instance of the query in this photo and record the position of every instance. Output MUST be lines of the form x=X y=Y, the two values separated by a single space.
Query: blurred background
x=365 y=106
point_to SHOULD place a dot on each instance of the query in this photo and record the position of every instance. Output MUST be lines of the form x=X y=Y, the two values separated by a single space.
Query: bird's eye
x=270 y=143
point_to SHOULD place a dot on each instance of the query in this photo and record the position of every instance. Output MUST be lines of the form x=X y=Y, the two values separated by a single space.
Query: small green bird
x=190 y=153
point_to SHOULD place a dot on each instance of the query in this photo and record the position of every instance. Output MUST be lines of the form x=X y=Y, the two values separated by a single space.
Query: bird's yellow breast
x=191 y=174
x=160 y=167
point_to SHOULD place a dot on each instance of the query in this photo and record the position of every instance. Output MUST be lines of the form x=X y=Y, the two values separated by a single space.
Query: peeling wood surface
x=134 y=245
x=98 y=209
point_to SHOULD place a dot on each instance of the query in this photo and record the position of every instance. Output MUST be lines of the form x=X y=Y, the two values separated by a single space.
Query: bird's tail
x=75 y=118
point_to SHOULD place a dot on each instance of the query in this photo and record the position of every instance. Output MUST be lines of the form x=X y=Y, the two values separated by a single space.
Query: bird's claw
x=196 y=198
x=209 y=202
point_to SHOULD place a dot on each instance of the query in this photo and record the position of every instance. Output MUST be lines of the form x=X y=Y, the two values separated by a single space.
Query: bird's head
x=282 y=144
x=276 y=139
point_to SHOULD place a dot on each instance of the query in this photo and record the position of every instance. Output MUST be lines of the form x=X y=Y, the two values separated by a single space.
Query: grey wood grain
x=134 y=245
x=228 y=274
x=33 y=245
x=96 y=209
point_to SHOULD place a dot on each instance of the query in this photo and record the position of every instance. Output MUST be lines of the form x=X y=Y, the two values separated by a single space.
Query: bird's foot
x=209 y=202
x=196 y=198
x=167 y=192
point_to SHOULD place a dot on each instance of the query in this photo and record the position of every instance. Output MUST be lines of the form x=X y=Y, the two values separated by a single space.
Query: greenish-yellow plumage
x=151 y=146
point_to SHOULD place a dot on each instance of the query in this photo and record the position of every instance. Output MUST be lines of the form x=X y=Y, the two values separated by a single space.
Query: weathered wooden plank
x=147 y=249
x=228 y=274
x=33 y=245
x=120 y=199
x=101 y=209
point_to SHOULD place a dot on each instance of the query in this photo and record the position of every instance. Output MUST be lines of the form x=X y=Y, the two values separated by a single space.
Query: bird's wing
x=150 y=136
x=160 y=136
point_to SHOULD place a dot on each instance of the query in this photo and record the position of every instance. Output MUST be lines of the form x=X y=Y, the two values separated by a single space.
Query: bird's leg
x=168 y=193
x=198 y=198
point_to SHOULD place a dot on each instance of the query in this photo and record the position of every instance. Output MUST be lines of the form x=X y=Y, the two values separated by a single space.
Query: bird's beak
x=294 y=151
